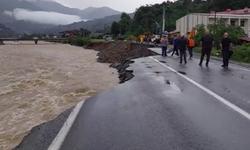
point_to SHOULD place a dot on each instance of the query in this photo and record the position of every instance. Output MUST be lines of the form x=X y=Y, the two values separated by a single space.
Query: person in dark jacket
x=175 y=50
x=182 y=45
x=226 y=47
x=206 y=44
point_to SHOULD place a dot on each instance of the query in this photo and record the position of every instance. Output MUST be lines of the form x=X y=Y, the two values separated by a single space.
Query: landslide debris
x=98 y=45
x=120 y=54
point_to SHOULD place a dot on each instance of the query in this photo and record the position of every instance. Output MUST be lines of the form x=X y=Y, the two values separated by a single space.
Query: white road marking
x=59 y=139
x=221 y=99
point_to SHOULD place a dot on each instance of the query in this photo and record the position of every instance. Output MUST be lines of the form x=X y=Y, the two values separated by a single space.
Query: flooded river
x=38 y=82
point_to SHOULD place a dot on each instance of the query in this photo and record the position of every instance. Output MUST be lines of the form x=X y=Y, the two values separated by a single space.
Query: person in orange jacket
x=190 y=45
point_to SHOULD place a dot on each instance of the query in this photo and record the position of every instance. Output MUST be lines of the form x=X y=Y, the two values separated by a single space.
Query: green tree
x=115 y=28
x=146 y=16
x=82 y=32
x=125 y=16
x=125 y=23
x=200 y=30
x=217 y=30
x=232 y=4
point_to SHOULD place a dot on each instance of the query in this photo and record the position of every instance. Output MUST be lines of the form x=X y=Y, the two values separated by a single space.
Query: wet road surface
x=160 y=109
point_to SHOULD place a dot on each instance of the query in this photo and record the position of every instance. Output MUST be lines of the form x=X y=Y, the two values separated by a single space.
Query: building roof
x=247 y=39
x=245 y=11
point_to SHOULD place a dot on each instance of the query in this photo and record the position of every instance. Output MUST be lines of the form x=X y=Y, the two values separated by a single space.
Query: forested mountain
x=92 y=25
x=87 y=13
x=147 y=17
x=13 y=14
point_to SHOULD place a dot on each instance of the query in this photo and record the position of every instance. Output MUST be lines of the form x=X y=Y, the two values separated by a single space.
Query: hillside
x=27 y=27
x=87 y=14
x=95 y=13
x=12 y=4
x=5 y=32
x=92 y=25
x=146 y=17
x=55 y=7
x=26 y=22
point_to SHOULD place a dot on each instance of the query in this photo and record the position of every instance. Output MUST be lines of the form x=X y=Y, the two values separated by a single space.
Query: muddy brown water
x=38 y=82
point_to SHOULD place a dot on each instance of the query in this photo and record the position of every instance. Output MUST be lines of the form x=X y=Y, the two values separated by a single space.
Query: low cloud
x=42 y=17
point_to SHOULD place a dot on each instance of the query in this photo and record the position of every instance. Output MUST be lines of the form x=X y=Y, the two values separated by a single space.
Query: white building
x=233 y=17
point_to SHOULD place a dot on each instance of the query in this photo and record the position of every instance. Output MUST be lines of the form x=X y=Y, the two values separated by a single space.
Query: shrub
x=242 y=53
x=79 y=41
x=217 y=30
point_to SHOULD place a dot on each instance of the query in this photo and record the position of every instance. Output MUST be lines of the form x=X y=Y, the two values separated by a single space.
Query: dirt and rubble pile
x=120 y=54
x=98 y=46
x=122 y=50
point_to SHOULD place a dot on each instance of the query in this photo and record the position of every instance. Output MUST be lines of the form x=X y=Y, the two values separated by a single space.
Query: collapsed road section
x=119 y=55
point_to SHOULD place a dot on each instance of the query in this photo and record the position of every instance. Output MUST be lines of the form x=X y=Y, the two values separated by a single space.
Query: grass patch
x=98 y=40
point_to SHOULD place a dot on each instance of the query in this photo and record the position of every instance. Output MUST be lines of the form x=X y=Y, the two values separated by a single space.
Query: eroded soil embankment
x=120 y=54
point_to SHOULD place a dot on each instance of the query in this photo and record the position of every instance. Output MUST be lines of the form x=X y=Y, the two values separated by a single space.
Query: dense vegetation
x=149 y=17
x=241 y=52
x=79 y=41
x=217 y=30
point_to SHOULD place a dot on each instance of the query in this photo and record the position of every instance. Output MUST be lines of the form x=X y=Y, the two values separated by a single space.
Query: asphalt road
x=161 y=109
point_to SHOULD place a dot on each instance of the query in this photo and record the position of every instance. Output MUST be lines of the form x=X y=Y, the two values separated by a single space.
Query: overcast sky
x=62 y=19
x=120 y=5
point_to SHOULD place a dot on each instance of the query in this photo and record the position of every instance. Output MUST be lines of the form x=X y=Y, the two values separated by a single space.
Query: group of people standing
x=181 y=44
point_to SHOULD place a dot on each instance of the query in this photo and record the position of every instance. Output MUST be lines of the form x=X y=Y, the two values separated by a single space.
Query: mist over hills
x=32 y=16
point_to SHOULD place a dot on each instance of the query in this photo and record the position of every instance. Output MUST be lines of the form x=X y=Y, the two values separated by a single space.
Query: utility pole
x=163 y=18
x=168 y=22
x=187 y=23
x=215 y=17
x=168 y=10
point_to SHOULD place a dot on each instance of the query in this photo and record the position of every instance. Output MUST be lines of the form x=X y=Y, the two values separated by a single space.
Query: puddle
x=131 y=71
x=167 y=82
x=163 y=62
x=181 y=72
x=157 y=72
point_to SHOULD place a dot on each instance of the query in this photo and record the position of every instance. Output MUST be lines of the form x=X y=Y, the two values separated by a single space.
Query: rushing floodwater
x=38 y=82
